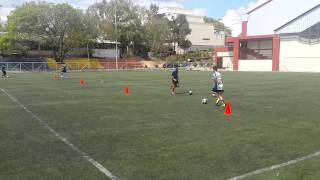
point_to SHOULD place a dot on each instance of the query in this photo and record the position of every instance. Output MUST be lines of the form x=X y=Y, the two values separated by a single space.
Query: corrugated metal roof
x=302 y=22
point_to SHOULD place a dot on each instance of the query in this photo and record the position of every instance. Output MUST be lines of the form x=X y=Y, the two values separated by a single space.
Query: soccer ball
x=204 y=101
x=190 y=92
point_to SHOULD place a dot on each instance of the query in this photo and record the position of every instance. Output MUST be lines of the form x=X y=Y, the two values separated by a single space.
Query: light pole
x=116 y=28
x=88 y=53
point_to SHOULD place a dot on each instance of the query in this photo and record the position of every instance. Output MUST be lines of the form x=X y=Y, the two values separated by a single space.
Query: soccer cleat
x=172 y=93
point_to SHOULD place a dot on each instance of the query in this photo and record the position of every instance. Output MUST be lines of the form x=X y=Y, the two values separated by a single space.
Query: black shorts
x=214 y=89
x=4 y=73
x=175 y=83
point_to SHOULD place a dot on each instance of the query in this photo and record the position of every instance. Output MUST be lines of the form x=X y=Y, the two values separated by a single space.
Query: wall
x=195 y=19
x=227 y=63
x=298 y=57
x=227 y=60
x=104 y=53
x=200 y=32
x=75 y=52
x=229 y=54
x=40 y=53
x=269 y=17
x=255 y=65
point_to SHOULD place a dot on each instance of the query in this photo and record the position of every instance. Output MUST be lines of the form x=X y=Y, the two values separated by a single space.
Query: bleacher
x=76 y=64
x=129 y=63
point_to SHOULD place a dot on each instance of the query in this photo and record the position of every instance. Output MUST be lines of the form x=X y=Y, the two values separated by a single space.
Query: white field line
x=102 y=169
x=260 y=171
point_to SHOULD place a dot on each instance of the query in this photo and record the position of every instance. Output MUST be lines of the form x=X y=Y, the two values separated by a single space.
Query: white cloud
x=233 y=17
x=4 y=12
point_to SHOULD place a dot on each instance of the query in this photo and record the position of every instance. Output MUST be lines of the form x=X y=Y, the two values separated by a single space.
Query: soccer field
x=150 y=134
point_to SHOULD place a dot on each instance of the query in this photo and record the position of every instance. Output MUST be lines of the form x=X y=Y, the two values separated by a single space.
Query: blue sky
x=216 y=8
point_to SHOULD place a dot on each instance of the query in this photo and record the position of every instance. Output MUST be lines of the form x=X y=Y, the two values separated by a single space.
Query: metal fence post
x=20 y=67
x=126 y=66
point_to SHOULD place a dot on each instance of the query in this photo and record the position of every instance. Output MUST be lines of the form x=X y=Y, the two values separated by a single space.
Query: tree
x=179 y=29
x=130 y=30
x=157 y=31
x=184 y=44
x=218 y=25
x=59 y=25
x=153 y=10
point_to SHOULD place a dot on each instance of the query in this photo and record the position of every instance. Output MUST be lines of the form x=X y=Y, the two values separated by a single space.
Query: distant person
x=218 y=89
x=175 y=80
x=63 y=70
x=4 y=72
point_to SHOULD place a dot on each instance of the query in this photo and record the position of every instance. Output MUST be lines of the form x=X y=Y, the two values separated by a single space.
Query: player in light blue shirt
x=218 y=88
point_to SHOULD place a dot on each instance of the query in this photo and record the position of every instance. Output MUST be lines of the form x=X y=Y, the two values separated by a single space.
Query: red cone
x=56 y=78
x=82 y=82
x=126 y=90
x=228 y=109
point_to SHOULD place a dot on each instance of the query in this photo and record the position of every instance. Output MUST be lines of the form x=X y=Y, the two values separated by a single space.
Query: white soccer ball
x=204 y=101
x=190 y=92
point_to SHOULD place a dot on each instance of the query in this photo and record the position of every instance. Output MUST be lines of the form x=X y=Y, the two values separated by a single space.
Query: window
x=256 y=49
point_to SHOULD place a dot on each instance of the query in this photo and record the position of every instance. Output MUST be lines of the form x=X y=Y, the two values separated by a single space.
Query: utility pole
x=116 y=27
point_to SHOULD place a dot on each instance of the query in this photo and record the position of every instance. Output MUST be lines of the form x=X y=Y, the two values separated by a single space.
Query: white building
x=279 y=35
x=203 y=36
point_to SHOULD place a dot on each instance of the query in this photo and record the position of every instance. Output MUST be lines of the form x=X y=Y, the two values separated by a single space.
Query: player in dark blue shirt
x=175 y=80
x=4 y=72
x=63 y=70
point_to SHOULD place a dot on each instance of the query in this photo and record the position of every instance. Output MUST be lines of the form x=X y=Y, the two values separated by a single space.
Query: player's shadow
x=180 y=93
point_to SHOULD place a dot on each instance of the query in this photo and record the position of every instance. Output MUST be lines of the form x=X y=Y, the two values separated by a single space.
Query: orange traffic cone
x=228 y=109
x=56 y=78
x=126 y=90
x=82 y=82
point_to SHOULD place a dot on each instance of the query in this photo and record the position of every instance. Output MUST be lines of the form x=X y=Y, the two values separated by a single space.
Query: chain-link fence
x=26 y=66
x=74 y=66
x=92 y=66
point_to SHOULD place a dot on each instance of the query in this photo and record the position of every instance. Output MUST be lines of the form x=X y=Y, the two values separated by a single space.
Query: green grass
x=151 y=134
